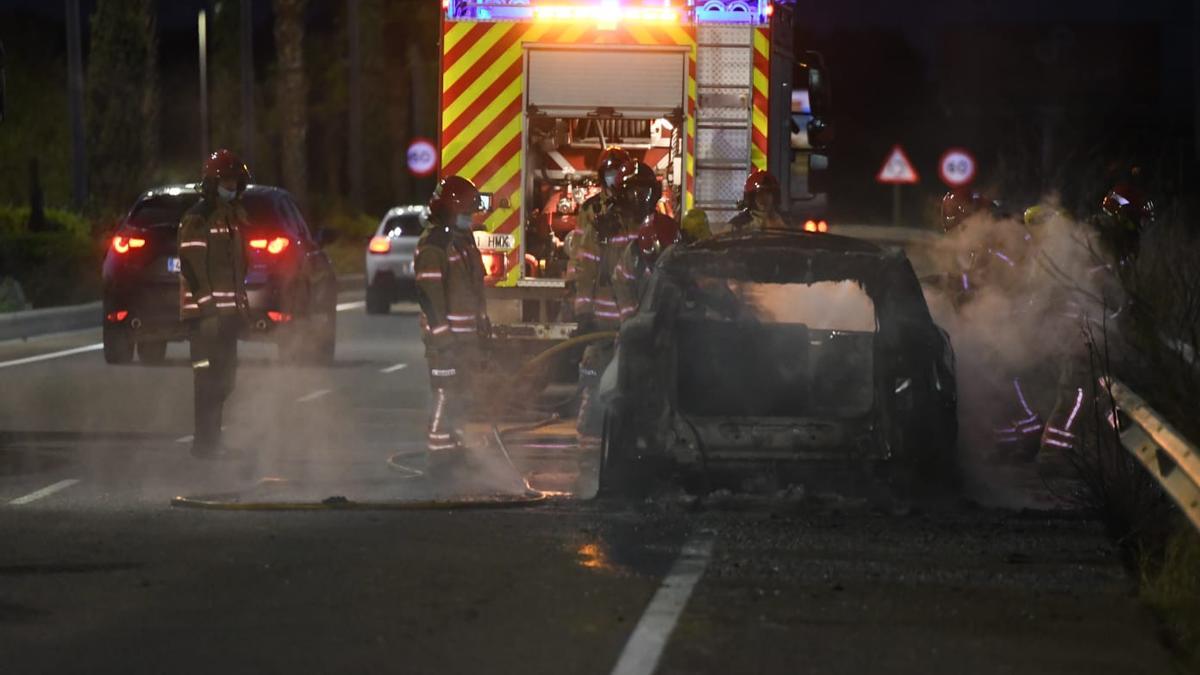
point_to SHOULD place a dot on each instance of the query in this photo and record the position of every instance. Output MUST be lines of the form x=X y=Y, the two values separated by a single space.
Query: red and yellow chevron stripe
x=483 y=84
x=762 y=88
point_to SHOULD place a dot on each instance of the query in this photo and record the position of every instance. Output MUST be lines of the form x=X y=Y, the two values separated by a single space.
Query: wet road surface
x=98 y=573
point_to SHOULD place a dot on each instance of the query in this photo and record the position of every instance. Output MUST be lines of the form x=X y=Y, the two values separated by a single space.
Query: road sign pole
x=896 y=204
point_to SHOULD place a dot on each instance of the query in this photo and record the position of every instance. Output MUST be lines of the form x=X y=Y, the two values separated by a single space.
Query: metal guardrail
x=1163 y=451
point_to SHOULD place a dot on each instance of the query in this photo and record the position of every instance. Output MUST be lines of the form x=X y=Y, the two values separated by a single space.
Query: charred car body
x=780 y=349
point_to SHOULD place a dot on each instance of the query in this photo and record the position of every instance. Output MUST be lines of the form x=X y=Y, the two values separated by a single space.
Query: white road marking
x=185 y=439
x=392 y=369
x=351 y=305
x=45 y=492
x=649 y=638
x=313 y=396
x=53 y=355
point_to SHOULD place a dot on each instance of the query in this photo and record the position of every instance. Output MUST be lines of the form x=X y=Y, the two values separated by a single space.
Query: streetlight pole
x=202 y=33
x=247 y=54
x=75 y=106
x=356 y=128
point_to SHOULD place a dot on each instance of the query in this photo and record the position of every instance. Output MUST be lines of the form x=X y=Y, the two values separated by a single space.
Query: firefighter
x=1125 y=213
x=449 y=272
x=213 y=294
x=760 y=204
x=636 y=192
x=695 y=226
x=640 y=192
x=597 y=221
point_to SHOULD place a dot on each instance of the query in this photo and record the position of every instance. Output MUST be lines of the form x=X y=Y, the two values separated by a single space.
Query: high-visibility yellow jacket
x=212 y=260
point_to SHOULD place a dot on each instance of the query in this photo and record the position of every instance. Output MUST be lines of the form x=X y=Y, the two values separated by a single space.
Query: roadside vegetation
x=1151 y=346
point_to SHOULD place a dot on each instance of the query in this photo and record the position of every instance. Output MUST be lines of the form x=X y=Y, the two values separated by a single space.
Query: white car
x=390 y=257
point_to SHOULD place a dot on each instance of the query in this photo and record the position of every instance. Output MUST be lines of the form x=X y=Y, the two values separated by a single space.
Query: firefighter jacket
x=629 y=280
x=449 y=271
x=758 y=221
x=596 y=261
x=586 y=252
x=212 y=260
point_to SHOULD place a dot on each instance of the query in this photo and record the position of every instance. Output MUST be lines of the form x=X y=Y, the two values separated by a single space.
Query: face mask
x=226 y=195
x=463 y=221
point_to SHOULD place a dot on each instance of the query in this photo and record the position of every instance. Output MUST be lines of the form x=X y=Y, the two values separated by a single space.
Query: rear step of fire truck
x=725 y=93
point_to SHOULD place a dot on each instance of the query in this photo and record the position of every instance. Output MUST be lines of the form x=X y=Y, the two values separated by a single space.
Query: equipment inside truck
x=560 y=175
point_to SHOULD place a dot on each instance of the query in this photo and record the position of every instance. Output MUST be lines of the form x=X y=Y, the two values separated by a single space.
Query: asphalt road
x=99 y=573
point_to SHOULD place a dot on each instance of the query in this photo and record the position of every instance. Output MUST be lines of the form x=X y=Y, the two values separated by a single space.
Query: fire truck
x=533 y=90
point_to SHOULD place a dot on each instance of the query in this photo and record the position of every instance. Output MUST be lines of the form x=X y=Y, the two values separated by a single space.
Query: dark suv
x=289 y=280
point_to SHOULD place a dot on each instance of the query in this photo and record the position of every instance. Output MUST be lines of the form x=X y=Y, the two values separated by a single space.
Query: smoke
x=1017 y=302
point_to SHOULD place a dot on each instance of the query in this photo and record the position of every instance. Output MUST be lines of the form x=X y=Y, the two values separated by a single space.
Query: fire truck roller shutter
x=567 y=81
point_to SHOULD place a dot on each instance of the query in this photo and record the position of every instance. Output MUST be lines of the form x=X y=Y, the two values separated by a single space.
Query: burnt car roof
x=790 y=239
x=194 y=188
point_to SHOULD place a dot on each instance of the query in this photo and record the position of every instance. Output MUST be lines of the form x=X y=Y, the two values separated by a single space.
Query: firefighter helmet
x=1128 y=207
x=608 y=166
x=695 y=225
x=761 y=192
x=220 y=165
x=639 y=189
x=958 y=205
x=655 y=235
x=454 y=196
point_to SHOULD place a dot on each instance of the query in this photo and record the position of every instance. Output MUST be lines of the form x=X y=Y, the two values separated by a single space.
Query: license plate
x=495 y=242
x=173 y=265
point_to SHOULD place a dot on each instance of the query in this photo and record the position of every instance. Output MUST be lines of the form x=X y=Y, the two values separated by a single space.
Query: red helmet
x=958 y=205
x=656 y=234
x=224 y=164
x=1128 y=206
x=455 y=196
x=761 y=191
x=610 y=162
x=639 y=189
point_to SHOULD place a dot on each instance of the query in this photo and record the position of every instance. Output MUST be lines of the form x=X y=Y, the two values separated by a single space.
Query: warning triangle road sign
x=897 y=169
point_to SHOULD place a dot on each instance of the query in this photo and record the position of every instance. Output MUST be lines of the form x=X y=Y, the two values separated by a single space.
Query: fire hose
x=531 y=496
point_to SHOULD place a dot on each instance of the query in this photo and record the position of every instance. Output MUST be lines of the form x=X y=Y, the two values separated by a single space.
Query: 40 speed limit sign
x=956 y=167
x=422 y=157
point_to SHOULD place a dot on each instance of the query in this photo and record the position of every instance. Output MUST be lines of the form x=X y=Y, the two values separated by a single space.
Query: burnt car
x=290 y=281
x=805 y=354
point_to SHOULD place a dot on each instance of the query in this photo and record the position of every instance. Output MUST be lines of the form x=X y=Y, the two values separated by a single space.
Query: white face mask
x=226 y=195
x=463 y=221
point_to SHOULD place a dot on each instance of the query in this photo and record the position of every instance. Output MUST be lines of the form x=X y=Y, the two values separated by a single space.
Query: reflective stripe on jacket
x=212 y=260
x=449 y=271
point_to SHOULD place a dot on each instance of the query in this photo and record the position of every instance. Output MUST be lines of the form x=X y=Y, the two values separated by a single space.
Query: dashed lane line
x=392 y=369
x=52 y=355
x=342 y=307
x=313 y=396
x=44 y=492
x=649 y=638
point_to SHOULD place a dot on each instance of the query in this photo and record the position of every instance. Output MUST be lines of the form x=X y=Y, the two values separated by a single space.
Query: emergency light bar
x=753 y=12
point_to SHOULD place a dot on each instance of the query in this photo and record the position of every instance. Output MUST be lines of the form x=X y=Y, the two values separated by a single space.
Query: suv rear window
x=403 y=226
x=161 y=210
x=266 y=213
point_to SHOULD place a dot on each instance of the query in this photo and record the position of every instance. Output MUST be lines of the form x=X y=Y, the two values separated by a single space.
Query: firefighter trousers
x=214 y=368
x=450 y=377
x=595 y=359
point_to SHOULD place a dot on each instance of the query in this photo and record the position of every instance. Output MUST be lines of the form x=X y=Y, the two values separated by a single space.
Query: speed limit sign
x=956 y=167
x=422 y=157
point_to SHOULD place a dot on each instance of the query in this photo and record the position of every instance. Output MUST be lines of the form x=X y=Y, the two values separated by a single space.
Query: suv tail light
x=273 y=246
x=380 y=245
x=122 y=243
